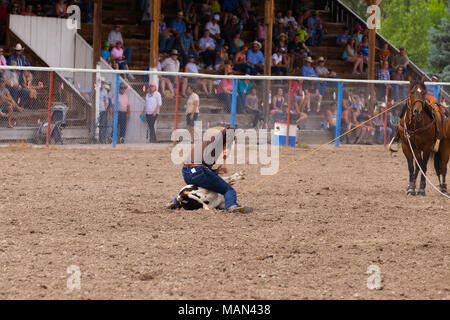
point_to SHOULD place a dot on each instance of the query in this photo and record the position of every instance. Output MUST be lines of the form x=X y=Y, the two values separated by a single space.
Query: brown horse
x=419 y=124
x=441 y=158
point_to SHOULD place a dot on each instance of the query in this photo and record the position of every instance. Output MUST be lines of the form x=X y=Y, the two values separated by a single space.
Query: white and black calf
x=192 y=197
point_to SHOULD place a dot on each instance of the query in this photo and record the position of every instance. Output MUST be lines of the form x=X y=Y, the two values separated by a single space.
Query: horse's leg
x=445 y=155
x=412 y=177
x=438 y=165
x=423 y=181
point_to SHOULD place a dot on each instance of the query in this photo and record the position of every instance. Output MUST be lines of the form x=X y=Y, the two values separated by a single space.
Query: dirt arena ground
x=316 y=229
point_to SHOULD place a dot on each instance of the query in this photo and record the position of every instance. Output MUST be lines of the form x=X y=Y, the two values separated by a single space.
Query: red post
x=386 y=115
x=177 y=105
x=289 y=112
x=49 y=117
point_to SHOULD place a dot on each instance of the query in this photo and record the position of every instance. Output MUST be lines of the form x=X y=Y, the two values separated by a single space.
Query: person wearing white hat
x=18 y=57
x=255 y=58
x=214 y=31
x=151 y=109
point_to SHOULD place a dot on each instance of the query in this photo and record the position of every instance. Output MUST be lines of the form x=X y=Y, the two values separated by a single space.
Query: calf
x=192 y=197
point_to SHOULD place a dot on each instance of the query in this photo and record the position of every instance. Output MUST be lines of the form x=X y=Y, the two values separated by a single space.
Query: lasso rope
x=318 y=148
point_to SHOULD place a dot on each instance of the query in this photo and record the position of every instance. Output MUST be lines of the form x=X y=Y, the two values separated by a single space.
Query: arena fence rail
x=98 y=113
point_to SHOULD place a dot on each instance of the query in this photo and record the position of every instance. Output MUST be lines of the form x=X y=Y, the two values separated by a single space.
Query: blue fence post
x=116 y=109
x=233 y=103
x=436 y=90
x=339 y=113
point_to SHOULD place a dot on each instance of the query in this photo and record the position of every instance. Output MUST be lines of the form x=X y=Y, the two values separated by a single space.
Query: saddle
x=438 y=114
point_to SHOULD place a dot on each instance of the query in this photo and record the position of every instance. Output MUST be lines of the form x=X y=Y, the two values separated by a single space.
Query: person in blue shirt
x=343 y=38
x=431 y=88
x=255 y=59
x=315 y=26
x=178 y=26
x=244 y=87
x=310 y=87
x=105 y=53
x=186 y=46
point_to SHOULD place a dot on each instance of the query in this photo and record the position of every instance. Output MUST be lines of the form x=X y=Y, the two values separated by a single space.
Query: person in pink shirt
x=118 y=58
x=124 y=112
x=225 y=92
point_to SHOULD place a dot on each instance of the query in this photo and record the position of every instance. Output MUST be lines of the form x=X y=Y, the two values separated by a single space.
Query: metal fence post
x=49 y=117
x=97 y=87
x=233 y=103
x=339 y=113
x=116 y=109
x=177 y=105
x=288 y=118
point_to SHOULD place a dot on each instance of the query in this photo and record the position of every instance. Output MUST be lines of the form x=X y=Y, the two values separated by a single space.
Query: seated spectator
x=215 y=6
x=214 y=31
x=350 y=55
x=384 y=53
x=29 y=11
x=232 y=30
x=300 y=100
x=240 y=61
x=323 y=72
x=191 y=67
x=105 y=53
x=279 y=65
x=349 y=120
x=18 y=57
x=358 y=35
x=315 y=25
x=243 y=88
x=170 y=64
x=15 y=9
x=255 y=59
x=365 y=132
x=237 y=43
x=118 y=59
x=192 y=22
x=187 y=46
x=61 y=9
x=229 y=8
x=177 y=27
x=401 y=60
x=166 y=39
x=18 y=90
x=252 y=106
x=343 y=38
x=364 y=49
x=279 y=28
x=310 y=87
x=221 y=58
x=282 y=42
x=278 y=101
x=290 y=20
x=206 y=9
x=225 y=92
x=331 y=118
x=261 y=31
x=7 y=103
x=383 y=74
x=114 y=36
x=378 y=124
x=26 y=81
x=207 y=50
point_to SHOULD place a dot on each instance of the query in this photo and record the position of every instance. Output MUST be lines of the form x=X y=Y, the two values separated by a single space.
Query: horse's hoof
x=421 y=192
x=411 y=192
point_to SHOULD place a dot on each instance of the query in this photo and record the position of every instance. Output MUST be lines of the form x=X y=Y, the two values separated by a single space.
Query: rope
x=317 y=149
x=420 y=168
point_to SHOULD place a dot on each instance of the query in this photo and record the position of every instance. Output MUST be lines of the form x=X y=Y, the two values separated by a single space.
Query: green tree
x=439 y=57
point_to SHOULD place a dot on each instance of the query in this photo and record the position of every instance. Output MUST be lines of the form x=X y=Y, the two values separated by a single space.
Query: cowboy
x=18 y=57
x=204 y=173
